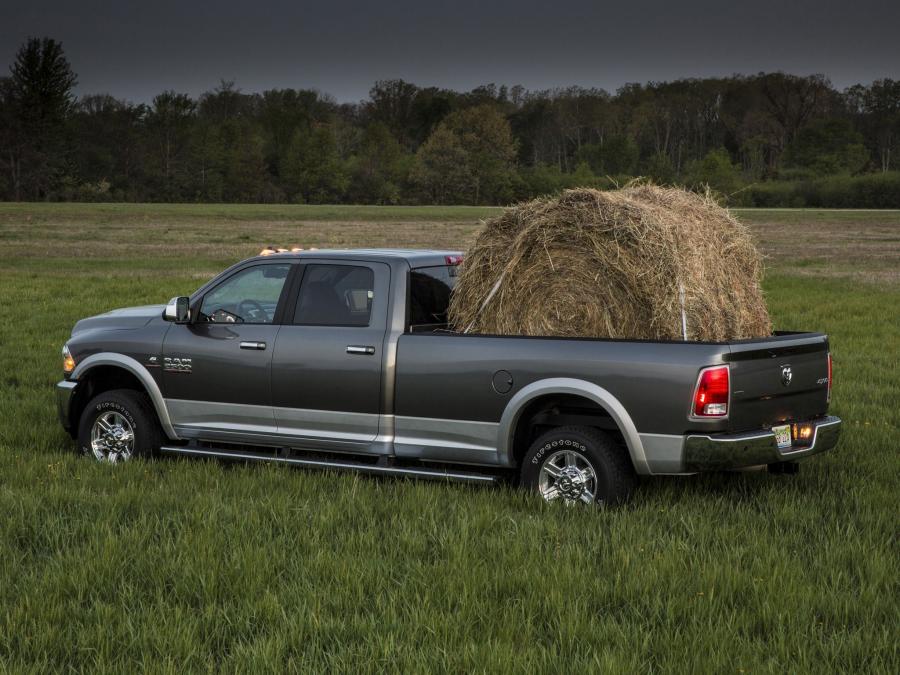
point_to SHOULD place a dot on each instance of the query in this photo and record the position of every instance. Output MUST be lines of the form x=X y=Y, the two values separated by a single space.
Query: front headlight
x=68 y=361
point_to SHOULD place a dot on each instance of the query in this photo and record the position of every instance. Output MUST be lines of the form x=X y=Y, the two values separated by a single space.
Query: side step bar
x=413 y=472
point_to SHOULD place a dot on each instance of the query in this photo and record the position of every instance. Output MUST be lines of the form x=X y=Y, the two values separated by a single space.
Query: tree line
x=771 y=139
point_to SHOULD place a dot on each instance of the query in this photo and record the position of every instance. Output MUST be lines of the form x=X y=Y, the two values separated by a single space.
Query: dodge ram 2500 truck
x=344 y=359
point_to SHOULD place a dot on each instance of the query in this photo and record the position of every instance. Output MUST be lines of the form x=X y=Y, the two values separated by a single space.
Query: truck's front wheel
x=118 y=425
x=578 y=465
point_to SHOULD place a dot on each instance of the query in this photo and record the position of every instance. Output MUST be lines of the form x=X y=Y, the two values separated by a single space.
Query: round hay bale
x=613 y=264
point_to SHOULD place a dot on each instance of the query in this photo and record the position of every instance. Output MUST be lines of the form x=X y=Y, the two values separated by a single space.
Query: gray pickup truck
x=343 y=359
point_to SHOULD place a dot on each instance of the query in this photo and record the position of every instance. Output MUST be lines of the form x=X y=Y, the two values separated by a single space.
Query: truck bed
x=451 y=377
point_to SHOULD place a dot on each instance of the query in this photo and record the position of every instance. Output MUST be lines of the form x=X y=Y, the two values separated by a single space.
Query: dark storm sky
x=136 y=49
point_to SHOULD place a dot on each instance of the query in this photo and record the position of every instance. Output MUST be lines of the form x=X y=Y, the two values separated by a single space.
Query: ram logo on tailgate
x=786 y=376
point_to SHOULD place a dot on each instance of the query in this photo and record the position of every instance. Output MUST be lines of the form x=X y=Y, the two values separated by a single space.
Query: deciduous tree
x=828 y=146
x=379 y=167
x=485 y=135
x=441 y=167
x=717 y=171
x=169 y=125
x=313 y=171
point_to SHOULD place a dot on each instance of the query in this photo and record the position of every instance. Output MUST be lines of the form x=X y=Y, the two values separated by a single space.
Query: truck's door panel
x=216 y=370
x=327 y=362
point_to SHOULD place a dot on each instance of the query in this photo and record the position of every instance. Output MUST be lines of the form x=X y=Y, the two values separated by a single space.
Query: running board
x=413 y=472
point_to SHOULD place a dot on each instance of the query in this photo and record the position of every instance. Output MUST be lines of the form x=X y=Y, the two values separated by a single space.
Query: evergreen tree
x=39 y=99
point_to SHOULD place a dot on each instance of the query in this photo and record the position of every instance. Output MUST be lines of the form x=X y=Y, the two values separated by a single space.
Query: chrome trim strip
x=420 y=437
x=328 y=424
x=274 y=440
x=139 y=371
x=345 y=466
x=432 y=432
x=283 y=423
x=566 y=385
x=215 y=415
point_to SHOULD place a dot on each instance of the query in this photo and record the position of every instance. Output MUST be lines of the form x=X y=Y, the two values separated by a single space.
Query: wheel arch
x=564 y=386
x=121 y=369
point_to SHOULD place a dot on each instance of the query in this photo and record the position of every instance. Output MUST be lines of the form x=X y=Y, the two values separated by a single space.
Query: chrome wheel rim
x=112 y=438
x=568 y=475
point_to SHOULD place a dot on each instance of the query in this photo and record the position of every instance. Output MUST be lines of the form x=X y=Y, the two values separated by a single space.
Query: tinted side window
x=335 y=295
x=250 y=296
x=429 y=296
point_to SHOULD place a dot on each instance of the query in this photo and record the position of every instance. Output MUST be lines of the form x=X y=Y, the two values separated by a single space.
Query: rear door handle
x=253 y=345
x=360 y=349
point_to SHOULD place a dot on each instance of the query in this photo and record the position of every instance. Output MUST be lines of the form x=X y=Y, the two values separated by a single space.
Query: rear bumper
x=65 y=390
x=734 y=451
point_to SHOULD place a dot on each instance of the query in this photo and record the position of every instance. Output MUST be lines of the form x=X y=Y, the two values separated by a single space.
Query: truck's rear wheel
x=118 y=425
x=578 y=465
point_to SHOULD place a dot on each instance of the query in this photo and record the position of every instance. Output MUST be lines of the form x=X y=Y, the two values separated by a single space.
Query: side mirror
x=178 y=310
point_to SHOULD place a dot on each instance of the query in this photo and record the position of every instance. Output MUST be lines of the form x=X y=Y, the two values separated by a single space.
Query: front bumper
x=65 y=391
x=733 y=451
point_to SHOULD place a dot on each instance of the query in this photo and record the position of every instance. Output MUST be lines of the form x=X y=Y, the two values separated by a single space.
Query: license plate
x=782 y=435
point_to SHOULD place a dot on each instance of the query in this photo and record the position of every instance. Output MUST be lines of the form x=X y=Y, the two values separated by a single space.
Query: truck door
x=216 y=369
x=327 y=363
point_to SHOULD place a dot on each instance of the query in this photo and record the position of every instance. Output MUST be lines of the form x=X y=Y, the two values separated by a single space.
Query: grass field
x=176 y=566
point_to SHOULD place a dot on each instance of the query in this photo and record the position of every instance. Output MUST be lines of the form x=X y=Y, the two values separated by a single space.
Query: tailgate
x=778 y=379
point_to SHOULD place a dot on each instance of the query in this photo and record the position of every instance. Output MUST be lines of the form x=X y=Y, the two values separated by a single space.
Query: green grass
x=151 y=213
x=819 y=216
x=197 y=566
x=101 y=213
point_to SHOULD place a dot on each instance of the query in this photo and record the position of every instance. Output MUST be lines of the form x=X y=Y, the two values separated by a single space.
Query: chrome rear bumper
x=733 y=451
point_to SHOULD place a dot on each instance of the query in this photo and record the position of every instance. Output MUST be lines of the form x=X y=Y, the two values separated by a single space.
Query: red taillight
x=711 y=394
x=453 y=259
x=828 y=395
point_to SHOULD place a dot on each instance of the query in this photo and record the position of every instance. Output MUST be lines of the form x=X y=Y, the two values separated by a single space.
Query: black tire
x=136 y=409
x=614 y=476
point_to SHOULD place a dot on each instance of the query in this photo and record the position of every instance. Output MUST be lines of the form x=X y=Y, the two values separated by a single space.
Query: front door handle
x=360 y=349
x=253 y=345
